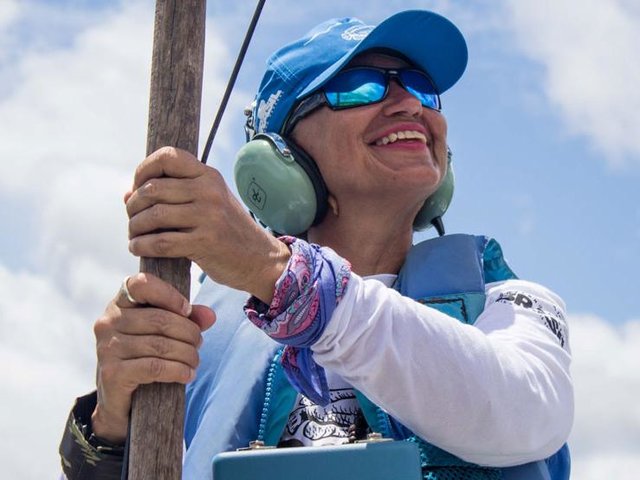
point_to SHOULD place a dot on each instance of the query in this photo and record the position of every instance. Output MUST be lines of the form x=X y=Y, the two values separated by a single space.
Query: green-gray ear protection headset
x=282 y=186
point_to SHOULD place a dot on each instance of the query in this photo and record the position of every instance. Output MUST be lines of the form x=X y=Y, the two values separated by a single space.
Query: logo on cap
x=357 y=33
x=265 y=109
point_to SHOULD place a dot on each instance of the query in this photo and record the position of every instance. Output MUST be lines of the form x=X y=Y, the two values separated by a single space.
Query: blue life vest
x=241 y=393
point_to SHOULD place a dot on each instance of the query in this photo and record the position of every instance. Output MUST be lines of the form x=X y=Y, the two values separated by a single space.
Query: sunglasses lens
x=355 y=87
x=419 y=85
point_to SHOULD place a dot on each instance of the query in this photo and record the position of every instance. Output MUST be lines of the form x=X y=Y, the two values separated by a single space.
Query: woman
x=481 y=359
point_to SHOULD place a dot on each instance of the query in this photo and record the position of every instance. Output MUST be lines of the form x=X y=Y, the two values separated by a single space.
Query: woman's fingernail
x=187 y=308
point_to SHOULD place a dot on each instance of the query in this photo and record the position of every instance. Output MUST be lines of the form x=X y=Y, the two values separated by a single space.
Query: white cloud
x=621 y=466
x=591 y=66
x=46 y=350
x=605 y=441
x=74 y=128
x=8 y=12
x=86 y=104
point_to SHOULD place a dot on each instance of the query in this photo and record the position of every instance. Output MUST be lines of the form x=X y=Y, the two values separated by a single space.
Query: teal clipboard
x=371 y=461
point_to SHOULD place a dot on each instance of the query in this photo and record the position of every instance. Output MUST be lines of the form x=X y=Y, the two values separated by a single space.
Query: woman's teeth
x=402 y=135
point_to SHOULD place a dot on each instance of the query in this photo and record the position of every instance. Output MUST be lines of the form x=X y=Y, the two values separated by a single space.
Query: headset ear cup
x=437 y=204
x=308 y=164
x=280 y=184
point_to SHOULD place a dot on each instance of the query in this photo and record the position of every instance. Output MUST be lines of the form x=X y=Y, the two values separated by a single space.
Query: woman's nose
x=399 y=100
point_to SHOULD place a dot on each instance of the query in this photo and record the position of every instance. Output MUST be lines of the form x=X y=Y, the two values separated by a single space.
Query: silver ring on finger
x=125 y=290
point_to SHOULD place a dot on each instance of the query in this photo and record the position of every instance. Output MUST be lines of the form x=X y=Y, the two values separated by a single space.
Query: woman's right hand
x=154 y=339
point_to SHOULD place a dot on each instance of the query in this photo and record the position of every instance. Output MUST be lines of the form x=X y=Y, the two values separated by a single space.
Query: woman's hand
x=179 y=207
x=154 y=339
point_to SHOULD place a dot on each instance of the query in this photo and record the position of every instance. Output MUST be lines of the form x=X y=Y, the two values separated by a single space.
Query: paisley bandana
x=305 y=297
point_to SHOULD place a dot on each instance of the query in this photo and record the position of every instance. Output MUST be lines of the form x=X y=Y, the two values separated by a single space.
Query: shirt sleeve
x=496 y=393
x=82 y=458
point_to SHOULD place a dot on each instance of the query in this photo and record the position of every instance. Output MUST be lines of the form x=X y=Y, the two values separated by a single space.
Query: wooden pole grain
x=157 y=414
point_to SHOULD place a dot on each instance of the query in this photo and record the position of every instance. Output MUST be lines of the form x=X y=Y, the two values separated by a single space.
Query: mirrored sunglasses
x=359 y=86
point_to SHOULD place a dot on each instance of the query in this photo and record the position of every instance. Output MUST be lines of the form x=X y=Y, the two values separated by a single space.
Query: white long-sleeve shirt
x=494 y=393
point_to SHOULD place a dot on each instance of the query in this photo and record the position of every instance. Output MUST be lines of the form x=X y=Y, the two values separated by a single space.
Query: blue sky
x=544 y=126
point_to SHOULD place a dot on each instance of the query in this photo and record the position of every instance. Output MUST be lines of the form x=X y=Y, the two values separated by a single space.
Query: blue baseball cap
x=430 y=41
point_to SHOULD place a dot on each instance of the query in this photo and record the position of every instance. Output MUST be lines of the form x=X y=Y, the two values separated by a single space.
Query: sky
x=544 y=127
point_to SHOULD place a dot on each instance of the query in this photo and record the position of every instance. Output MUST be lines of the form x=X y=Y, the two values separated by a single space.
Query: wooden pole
x=157 y=414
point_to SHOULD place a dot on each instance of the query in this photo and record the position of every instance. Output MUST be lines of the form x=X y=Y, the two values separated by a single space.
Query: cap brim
x=429 y=40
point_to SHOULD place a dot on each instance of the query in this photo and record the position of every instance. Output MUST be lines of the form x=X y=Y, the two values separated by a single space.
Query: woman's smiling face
x=394 y=150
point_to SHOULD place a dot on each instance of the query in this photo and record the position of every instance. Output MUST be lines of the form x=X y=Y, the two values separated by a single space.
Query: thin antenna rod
x=232 y=80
